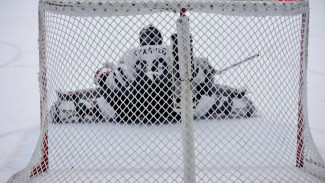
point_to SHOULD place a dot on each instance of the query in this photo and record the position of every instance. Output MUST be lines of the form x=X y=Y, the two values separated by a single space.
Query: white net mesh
x=173 y=91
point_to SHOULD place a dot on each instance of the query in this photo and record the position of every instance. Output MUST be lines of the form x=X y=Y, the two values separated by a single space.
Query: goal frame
x=63 y=6
x=101 y=8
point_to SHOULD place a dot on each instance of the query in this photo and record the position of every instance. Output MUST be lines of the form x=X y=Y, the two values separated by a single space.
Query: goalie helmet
x=150 y=35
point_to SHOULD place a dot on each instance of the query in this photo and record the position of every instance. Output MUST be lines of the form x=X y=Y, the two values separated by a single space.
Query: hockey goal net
x=173 y=91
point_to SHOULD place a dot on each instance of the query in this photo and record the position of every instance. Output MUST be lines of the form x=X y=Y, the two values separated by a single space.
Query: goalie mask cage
x=271 y=143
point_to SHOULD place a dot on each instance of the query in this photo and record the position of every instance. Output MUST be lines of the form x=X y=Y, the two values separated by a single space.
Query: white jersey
x=152 y=59
x=147 y=55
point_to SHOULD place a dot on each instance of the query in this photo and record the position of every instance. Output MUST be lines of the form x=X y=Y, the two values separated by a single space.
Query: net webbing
x=193 y=96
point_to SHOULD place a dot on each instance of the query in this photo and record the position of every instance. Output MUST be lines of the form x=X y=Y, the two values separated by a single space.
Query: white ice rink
x=19 y=94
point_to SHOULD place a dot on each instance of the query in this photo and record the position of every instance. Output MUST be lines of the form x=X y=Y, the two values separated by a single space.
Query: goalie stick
x=236 y=64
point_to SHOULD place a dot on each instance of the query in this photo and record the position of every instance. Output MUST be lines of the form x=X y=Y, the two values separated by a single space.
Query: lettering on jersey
x=150 y=51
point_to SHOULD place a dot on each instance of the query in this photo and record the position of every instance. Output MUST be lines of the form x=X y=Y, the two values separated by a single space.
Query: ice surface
x=19 y=94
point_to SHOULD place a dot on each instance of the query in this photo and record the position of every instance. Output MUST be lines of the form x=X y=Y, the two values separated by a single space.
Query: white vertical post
x=184 y=54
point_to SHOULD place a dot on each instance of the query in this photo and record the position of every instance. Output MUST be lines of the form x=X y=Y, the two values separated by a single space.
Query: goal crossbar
x=126 y=8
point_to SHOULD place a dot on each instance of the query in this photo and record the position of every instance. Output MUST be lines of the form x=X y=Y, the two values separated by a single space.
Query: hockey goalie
x=143 y=87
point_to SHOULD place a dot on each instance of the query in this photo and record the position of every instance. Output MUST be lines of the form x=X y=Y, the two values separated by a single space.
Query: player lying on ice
x=142 y=86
